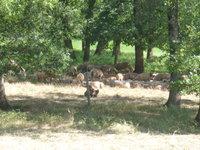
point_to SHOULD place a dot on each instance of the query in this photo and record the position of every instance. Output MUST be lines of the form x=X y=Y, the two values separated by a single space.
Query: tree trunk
x=87 y=42
x=100 y=47
x=174 y=95
x=173 y=28
x=139 y=59
x=3 y=100
x=86 y=50
x=69 y=45
x=116 y=50
x=149 y=53
x=83 y=45
x=198 y=115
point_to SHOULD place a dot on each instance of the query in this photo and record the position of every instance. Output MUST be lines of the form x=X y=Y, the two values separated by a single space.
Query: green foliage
x=158 y=64
x=33 y=33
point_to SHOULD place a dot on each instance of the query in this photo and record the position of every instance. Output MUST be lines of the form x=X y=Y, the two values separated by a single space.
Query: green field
x=127 y=55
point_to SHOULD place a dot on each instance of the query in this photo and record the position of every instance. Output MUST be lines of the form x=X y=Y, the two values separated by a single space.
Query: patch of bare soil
x=79 y=141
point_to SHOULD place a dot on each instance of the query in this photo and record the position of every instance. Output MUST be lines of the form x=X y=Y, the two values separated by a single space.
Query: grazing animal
x=94 y=88
x=96 y=74
x=93 y=92
x=143 y=77
x=161 y=76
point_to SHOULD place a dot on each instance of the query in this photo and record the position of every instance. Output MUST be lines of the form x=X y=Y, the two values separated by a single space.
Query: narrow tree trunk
x=198 y=115
x=116 y=50
x=88 y=89
x=174 y=93
x=139 y=59
x=100 y=47
x=69 y=45
x=3 y=100
x=83 y=45
x=149 y=53
x=86 y=56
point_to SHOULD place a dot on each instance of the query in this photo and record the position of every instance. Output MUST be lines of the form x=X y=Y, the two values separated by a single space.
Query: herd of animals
x=121 y=75
x=98 y=79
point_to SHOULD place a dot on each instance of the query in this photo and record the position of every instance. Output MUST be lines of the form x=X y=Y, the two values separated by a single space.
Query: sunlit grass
x=127 y=55
x=59 y=108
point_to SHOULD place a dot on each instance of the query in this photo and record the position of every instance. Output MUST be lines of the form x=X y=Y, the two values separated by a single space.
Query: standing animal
x=94 y=88
x=93 y=92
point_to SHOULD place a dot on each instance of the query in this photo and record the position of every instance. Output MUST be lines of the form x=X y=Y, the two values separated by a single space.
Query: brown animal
x=80 y=77
x=96 y=74
x=108 y=70
x=94 y=88
x=120 y=77
x=143 y=77
x=123 y=66
x=92 y=92
x=161 y=76
x=41 y=76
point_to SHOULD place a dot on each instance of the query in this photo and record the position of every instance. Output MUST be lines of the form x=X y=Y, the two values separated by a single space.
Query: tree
x=138 y=20
x=155 y=26
x=102 y=44
x=4 y=105
x=174 y=42
x=27 y=39
x=87 y=33
x=116 y=49
x=111 y=23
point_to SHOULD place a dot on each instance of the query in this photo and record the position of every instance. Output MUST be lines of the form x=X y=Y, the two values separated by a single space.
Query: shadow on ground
x=58 y=112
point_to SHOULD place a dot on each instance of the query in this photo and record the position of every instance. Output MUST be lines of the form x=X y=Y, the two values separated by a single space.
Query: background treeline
x=38 y=35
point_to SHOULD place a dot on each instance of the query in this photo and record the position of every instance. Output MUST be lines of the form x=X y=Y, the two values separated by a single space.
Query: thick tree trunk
x=3 y=100
x=198 y=115
x=149 y=53
x=174 y=93
x=100 y=47
x=87 y=41
x=139 y=59
x=116 y=50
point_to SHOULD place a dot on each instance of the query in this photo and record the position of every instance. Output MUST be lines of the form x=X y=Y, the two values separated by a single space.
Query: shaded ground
x=56 y=117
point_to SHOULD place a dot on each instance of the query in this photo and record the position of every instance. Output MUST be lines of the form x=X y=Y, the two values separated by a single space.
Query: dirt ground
x=73 y=139
x=79 y=141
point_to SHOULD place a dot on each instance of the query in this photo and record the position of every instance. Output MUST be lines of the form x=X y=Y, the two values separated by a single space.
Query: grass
x=42 y=108
x=127 y=55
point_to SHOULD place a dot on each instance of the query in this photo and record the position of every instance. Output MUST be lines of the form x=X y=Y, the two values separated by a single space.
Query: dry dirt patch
x=79 y=141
